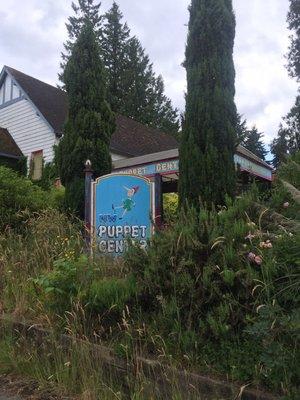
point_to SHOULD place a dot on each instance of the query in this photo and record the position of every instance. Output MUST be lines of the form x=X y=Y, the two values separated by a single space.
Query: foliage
x=62 y=285
x=288 y=138
x=209 y=136
x=49 y=174
x=114 y=53
x=170 y=207
x=279 y=147
x=46 y=236
x=19 y=197
x=204 y=281
x=133 y=88
x=90 y=123
x=293 y=20
x=19 y=165
x=253 y=142
x=85 y=10
x=217 y=291
x=290 y=171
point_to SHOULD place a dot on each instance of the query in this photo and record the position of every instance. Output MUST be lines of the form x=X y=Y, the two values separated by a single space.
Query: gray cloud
x=32 y=33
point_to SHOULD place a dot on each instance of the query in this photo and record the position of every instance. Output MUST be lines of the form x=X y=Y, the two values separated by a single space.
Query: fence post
x=88 y=173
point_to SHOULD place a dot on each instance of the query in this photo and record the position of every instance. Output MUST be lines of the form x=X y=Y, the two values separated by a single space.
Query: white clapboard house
x=33 y=113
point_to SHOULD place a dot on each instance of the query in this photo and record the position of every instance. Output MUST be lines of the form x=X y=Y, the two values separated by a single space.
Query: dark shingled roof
x=136 y=139
x=7 y=144
x=50 y=101
x=130 y=138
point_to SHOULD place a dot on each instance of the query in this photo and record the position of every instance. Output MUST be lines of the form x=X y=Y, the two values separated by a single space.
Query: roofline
x=6 y=155
x=148 y=158
x=40 y=114
x=174 y=153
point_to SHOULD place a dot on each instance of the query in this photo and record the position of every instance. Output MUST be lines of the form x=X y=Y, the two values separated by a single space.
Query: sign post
x=88 y=173
x=123 y=207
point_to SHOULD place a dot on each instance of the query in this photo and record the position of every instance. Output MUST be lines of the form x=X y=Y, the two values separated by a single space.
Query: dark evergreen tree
x=288 y=138
x=241 y=129
x=90 y=122
x=162 y=114
x=292 y=121
x=253 y=142
x=139 y=80
x=279 y=147
x=209 y=138
x=85 y=10
x=114 y=50
x=293 y=20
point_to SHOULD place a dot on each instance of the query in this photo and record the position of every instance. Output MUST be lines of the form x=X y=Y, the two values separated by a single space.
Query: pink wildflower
x=250 y=236
x=258 y=260
x=251 y=256
x=286 y=204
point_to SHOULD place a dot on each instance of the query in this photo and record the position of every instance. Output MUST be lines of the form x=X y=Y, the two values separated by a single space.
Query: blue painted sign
x=122 y=211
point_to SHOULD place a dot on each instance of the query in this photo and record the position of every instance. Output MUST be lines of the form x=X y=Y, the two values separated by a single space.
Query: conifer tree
x=90 y=121
x=85 y=10
x=253 y=142
x=293 y=20
x=114 y=51
x=209 y=138
x=288 y=138
x=279 y=147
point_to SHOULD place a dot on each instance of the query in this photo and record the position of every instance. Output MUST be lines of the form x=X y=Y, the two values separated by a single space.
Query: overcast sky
x=32 y=33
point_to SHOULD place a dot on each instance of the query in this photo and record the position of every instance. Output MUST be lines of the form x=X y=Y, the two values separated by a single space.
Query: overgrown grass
x=216 y=292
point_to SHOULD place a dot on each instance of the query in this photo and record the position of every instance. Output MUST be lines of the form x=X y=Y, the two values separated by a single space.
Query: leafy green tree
x=253 y=142
x=90 y=123
x=114 y=51
x=208 y=144
x=84 y=10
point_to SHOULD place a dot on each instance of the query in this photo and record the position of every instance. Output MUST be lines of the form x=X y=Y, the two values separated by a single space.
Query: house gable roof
x=49 y=100
x=8 y=146
x=131 y=138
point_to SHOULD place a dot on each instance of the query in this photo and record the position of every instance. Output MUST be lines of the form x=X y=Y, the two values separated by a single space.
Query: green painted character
x=128 y=203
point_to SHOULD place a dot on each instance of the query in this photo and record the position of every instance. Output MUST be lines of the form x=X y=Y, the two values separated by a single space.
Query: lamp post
x=88 y=173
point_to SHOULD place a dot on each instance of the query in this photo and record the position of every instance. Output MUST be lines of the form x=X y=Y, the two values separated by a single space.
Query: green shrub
x=60 y=287
x=170 y=206
x=198 y=280
x=290 y=171
x=19 y=197
x=110 y=294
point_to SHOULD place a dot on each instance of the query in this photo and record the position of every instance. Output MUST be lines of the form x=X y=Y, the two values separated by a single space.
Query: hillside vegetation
x=217 y=292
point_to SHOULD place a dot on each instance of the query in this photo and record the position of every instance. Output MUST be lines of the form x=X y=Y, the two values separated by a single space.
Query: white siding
x=8 y=91
x=30 y=131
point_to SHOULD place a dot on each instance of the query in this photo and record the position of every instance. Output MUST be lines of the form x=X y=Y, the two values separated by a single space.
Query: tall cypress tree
x=207 y=149
x=84 y=10
x=90 y=122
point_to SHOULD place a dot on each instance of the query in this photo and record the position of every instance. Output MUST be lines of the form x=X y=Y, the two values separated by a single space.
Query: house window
x=36 y=165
